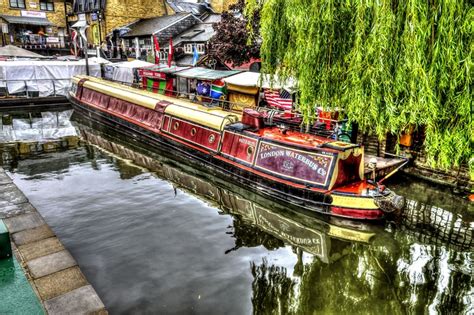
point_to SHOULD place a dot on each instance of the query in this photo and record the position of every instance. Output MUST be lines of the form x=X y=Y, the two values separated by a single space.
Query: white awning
x=27 y=20
x=253 y=79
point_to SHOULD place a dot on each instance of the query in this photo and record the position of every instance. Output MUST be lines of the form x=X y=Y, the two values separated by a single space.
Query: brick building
x=105 y=16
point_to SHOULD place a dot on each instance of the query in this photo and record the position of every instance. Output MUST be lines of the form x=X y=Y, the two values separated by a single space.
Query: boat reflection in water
x=306 y=231
x=423 y=264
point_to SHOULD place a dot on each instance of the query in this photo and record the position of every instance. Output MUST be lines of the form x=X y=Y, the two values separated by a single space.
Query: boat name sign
x=310 y=167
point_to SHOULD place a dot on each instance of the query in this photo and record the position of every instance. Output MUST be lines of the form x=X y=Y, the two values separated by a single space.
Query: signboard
x=35 y=14
x=33 y=4
x=4 y=28
x=52 y=39
x=309 y=167
x=94 y=16
x=81 y=17
x=151 y=74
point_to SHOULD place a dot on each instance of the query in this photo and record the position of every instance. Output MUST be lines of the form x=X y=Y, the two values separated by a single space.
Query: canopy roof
x=27 y=20
x=125 y=71
x=132 y=64
x=164 y=68
x=150 y=26
x=99 y=60
x=13 y=51
x=206 y=74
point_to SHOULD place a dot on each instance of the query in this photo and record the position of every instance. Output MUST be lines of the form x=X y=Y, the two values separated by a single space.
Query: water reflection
x=359 y=268
x=302 y=263
x=24 y=134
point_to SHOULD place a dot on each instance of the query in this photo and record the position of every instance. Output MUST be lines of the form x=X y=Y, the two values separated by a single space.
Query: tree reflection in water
x=272 y=289
x=408 y=278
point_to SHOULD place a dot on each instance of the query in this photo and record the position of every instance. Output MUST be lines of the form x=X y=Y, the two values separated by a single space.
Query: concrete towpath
x=51 y=270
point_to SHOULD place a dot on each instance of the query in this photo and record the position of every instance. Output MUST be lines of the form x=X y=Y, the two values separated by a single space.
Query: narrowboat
x=313 y=172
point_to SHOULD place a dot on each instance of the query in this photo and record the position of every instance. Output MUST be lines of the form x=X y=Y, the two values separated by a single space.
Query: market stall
x=125 y=72
x=41 y=78
x=248 y=89
x=206 y=85
x=160 y=78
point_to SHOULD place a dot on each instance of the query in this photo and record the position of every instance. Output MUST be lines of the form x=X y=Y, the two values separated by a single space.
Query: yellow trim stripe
x=353 y=202
x=346 y=234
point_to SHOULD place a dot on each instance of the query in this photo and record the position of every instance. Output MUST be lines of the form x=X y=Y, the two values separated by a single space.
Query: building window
x=93 y=5
x=188 y=48
x=20 y=4
x=200 y=48
x=47 y=5
x=163 y=55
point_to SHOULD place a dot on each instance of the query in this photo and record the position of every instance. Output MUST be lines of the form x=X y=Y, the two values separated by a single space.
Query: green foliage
x=390 y=64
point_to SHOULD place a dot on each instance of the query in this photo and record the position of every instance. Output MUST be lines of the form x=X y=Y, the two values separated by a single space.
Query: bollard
x=5 y=246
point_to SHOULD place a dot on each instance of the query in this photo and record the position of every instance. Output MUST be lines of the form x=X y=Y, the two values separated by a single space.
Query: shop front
x=31 y=30
x=160 y=79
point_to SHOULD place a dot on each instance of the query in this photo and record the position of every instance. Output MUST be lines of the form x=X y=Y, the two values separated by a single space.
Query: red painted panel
x=358 y=188
x=118 y=106
x=358 y=213
x=348 y=170
x=87 y=95
x=239 y=147
x=80 y=88
x=195 y=134
x=145 y=115
x=95 y=98
x=166 y=123
x=103 y=100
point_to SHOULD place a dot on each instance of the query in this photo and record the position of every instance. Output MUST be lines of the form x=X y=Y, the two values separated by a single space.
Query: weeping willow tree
x=390 y=64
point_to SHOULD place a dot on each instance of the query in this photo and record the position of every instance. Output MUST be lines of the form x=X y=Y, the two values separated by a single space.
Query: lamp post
x=99 y=20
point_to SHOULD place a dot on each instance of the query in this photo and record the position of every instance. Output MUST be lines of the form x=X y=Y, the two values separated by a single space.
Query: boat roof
x=212 y=117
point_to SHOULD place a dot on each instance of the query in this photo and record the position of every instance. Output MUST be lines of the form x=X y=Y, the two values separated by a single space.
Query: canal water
x=156 y=236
